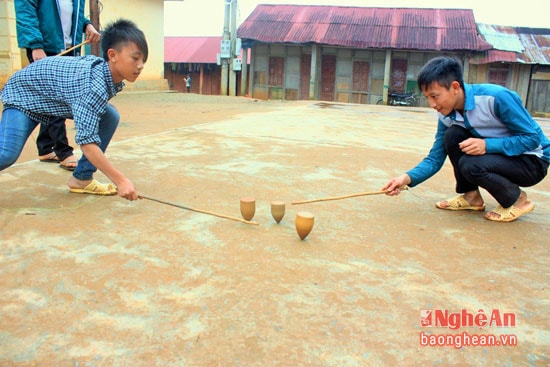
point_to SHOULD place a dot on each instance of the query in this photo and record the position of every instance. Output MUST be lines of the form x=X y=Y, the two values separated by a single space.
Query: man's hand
x=473 y=146
x=92 y=35
x=38 y=54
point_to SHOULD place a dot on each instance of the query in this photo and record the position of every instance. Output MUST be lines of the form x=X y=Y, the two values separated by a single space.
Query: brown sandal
x=50 y=158
x=65 y=165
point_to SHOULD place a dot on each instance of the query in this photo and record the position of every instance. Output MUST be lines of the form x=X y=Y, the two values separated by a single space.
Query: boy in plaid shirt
x=77 y=88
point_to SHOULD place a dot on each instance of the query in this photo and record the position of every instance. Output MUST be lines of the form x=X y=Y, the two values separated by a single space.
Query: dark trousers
x=500 y=175
x=53 y=136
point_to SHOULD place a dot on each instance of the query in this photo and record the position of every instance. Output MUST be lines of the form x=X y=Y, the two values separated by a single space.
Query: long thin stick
x=72 y=48
x=199 y=210
x=342 y=197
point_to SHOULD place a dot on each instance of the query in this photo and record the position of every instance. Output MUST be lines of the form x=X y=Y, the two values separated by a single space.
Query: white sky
x=206 y=17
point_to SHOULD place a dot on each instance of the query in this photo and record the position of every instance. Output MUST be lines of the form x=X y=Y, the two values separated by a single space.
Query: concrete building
x=358 y=55
x=349 y=54
x=10 y=54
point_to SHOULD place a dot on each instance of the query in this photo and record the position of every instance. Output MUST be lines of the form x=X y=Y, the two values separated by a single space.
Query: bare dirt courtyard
x=101 y=281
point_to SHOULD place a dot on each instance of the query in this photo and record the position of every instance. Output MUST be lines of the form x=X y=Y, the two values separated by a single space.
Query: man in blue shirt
x=490 y=138
x=78 y=88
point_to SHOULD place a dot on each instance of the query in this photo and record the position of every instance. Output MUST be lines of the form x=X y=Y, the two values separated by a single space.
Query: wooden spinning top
x=248 y=207
x=304 y=223
x=278 y=210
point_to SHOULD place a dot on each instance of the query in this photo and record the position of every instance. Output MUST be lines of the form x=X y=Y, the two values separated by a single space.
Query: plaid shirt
x=77 y=88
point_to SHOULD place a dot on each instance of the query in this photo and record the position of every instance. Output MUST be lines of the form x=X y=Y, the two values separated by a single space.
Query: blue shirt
x=77 y=88
x=495 y=114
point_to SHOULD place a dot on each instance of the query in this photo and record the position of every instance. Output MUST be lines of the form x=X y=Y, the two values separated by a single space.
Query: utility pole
x=232 y=71
x=225 y=54
x=94 y=18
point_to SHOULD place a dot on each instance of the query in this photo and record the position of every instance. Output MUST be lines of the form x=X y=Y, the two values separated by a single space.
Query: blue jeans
x=502 y=176
x=16 y=127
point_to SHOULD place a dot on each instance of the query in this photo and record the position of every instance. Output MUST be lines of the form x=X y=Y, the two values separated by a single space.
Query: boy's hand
x=127 y=190
x=394 y=186
x=473 y=146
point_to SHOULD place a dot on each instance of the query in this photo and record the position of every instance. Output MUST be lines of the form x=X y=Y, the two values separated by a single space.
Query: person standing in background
x=46 y=28
x=188 y=83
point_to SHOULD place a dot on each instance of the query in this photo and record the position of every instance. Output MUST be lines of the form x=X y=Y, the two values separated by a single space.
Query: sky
x=206 y=17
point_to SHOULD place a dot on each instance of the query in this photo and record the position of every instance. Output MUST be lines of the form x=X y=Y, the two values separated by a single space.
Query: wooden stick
x=342 y=197
x=198 y=210
x=72 y=48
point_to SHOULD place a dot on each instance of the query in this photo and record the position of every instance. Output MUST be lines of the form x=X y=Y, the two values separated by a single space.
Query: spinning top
x=304 y=223
x=248 y=207
x=277 y=210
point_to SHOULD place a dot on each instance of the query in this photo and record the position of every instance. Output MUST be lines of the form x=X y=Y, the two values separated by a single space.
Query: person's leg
x=502 y=176
x=44 y=143
x=471 y=198
x=15 y=129
x=52 y=138
x=454 y=136
x=107 y=126
x=58 y=133
x=52 y=143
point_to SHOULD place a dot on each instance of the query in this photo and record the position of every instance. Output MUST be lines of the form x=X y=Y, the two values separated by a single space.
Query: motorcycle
x=400 y=99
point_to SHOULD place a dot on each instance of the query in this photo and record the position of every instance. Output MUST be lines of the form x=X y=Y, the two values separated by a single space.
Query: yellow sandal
x=459 y=203
x=96 y=188
x=509 y=214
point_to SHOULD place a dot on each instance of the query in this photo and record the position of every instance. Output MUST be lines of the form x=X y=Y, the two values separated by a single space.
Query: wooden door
x=498 y=75
x=328 y=77
x=360 y=78
x=276 y=71
x=276 y=78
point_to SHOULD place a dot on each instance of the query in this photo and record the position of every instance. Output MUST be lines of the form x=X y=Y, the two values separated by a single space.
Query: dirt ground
x=100 y=281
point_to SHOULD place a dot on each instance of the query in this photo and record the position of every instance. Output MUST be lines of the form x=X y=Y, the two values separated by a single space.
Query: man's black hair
x=444 y=70
x=120 y=32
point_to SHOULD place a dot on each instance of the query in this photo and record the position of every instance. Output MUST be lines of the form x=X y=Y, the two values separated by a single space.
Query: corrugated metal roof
x=489 y=56
x=358 y=27
x=514 y=44
x=199 y=50
x=537 y=47
x=501 y=37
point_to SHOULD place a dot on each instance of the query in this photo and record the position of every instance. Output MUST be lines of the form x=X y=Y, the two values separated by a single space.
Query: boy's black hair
x=120 y=32
x=444 y=70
